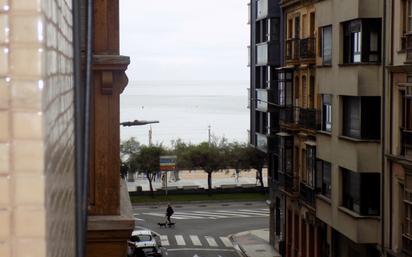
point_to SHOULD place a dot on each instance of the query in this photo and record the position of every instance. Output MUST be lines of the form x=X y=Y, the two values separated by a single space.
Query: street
x=202 y=229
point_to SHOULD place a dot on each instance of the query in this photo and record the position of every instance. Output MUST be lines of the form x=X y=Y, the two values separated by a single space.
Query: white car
x=144 y=243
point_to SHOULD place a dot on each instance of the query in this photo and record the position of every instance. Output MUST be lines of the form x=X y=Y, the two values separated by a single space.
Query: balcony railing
x=292 y=49
x=406 y=142
x=309 y=119
x=291 y=183
x=307 y=48
x=307 y=194
x=287 y=115
x=408 y=48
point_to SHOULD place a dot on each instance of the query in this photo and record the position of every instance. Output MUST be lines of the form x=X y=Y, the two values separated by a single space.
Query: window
x=361 y=117
x=323 y=178
x=409 y=19
x=310 y=165
x=285 y=161
x=362 y=41
x=284 y=88
x=406 y=114
x=361 y=192
x=327 y=113
x=326 y=45
x=407 y=209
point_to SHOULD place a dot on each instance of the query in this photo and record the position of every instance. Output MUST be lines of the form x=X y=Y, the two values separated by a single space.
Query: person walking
x=169 y=213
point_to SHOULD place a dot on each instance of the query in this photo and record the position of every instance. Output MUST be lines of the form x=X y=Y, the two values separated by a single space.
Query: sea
x=185 y=110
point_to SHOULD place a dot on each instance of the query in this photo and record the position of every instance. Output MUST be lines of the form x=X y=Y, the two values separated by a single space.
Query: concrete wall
x=342 y=80
x=36 y=129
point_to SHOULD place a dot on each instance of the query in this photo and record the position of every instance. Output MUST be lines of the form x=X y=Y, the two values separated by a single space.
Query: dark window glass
x=323 y=178
x=361 y=117
x=310 y=166
x=361 y=192
x=351 y=117
x=285 y=160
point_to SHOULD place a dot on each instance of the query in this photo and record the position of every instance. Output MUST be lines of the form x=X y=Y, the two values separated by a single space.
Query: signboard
x=168 y=163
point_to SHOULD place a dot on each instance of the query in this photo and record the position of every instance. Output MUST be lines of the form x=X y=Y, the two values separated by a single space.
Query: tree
x=236 y=156
x=147 y=161
x=209 y=158
x=129 y=147
x=257 y=161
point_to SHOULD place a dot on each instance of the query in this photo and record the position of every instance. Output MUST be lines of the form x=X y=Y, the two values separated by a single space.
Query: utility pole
x=209 y=134
x=150 y=136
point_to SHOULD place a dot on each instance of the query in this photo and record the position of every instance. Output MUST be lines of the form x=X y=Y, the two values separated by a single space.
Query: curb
x=239 y=249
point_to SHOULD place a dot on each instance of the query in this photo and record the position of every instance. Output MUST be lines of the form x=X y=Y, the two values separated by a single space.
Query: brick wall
x=36 y=129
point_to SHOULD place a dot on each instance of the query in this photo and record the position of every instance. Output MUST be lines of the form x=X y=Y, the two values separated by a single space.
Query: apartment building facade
x=398 y=135
x=326 y=157
x=264 y=59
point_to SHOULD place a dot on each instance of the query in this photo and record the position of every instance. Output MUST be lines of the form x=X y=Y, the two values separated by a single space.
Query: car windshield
x=141 y=238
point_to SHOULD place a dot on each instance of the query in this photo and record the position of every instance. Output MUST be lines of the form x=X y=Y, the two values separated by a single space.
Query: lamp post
x=137 y=123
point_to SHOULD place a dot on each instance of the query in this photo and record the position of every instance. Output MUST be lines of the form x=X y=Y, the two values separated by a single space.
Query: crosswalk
x=215 y=214
x=195 y=241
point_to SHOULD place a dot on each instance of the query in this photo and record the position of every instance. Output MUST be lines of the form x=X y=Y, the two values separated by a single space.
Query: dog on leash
x=171 y=225
x=162 y=224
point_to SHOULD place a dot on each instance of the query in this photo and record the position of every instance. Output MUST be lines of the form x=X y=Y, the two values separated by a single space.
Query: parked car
x=144 y=243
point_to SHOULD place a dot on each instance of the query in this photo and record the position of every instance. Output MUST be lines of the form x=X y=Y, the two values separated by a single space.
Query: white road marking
x=200 y=249
x=231 y=213
x=184 y=217
x=138 y=219
x=226 y=241
x=180 y=240
x=211 y=241
x=164 y=240
x=253 y=213
x=209 y=214
x=195 y=240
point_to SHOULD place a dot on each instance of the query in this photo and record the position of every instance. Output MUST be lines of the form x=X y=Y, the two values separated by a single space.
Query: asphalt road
x=202 y=229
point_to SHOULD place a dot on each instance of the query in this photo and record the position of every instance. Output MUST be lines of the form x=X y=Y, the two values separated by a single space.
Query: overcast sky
x=185 y=39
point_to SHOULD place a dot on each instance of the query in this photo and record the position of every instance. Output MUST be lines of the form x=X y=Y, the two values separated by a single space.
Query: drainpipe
x=383 y=109
x=82 y=119
x=390 y=125
x=79 y=126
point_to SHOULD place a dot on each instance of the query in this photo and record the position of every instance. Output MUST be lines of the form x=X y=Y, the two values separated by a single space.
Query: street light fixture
x=138 y=123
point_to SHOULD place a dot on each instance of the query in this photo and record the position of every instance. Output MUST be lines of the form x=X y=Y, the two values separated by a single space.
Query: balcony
x=307 y=194
x=267 y=9
x=309 y=119
x=406 y=143
x=287 y=115
x=291 y=183
x=307 y=48
x=267 y=53
x=292 y=49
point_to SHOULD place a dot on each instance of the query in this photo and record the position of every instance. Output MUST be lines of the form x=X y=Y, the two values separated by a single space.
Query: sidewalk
x=198 y=179
x=254 y=243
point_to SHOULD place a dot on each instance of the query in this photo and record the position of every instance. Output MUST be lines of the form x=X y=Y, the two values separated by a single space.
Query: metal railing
x=307 y=48
x=292 y=49
x=309 y=118
x=291 y=183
